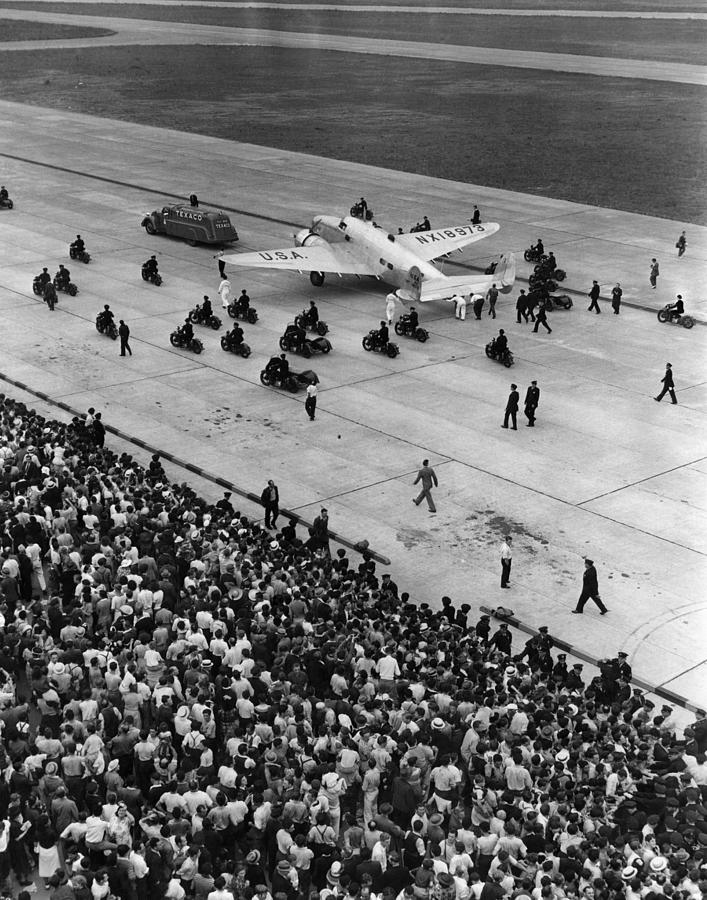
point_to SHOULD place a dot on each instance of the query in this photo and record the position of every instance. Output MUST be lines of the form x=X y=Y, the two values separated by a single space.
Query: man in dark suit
x=512 y=408
x=270 y=498
x=668 y=385
x=590 y=589
x=532 y=398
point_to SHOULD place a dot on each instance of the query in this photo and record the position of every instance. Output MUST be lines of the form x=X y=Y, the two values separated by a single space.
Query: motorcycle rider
x=243 y=303
x=235 y=336
x=62 y=277
x=4 y=196
x=300 y=336
x=79 y=245
x=44 y=278
x=425 y=225
x=539 y=248
x=500 y=344
x=382 y=335
x=187 y=331
x=312 y=315
x=150 y=267
x=105 y=317
x=550 y=263
x=676 y=309
x=279 y=367
x=413 y=319
x=205 y=311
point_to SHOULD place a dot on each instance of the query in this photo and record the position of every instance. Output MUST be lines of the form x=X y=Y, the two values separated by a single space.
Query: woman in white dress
x=47 y=847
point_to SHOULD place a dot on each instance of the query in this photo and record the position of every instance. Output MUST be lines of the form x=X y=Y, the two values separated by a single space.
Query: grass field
x=574 y=5
x=15 y=30
x=624 y=38
x=554 y=134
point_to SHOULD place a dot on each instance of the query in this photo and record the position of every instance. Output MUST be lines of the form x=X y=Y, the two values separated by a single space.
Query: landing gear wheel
x=317 y=278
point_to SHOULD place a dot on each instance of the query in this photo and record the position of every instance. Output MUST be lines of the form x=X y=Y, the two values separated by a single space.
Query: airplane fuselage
x=387 y=259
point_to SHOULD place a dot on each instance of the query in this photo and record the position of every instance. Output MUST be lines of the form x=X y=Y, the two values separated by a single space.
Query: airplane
x=350 y=246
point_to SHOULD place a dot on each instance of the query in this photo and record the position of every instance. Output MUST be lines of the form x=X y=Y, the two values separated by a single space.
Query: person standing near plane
x=428 y=477
x=532 y=399
x=522 y=306
x=512 y=408
x=224 y=290
x=492 y=297
x=459 y=306
x=681 y=244
x=593 y=295
x=476 y=218
x=390 y=308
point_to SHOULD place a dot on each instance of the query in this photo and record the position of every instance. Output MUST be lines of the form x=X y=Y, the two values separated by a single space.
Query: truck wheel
x=150 y=228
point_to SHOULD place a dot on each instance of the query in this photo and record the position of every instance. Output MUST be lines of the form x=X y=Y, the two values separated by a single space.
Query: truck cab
x=194 y=225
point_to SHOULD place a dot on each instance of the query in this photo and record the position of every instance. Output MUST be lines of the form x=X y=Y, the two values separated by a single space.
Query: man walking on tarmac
x=124 y=334
x=428 y=477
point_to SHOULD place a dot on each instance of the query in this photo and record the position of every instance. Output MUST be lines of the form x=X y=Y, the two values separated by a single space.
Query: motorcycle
x=292 y=382
x=153 y=277
x=38 y=286
x=288 y=343
x=541 y=281
x=532 y=254
x=197 y=317
x=357 y=212
x=506 y=357
x=544 y=272
x=177 y=339
x=227 y=344
x=404 y=328
x=68 y=287
x=304 y=320
x=676 y=318
x=372 y=342
x=108 y=328
x=83 y=255
x=557 y=301
x=247 y=315
x=7 y=203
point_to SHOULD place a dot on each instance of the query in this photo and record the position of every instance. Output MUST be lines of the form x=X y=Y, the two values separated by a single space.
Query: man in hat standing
x=574 y=678
x=590 y=589
x=532 y=399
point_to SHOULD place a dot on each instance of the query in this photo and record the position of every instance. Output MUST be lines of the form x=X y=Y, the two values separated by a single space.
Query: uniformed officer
x=625 y=670
x=559 y=670
x=483 y=628
x=574 y=678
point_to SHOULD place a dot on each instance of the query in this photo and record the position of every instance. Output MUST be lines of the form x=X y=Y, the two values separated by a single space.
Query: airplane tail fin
x=412 y=288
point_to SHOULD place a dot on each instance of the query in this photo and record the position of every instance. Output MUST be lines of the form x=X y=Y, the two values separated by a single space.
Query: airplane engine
x=307 y=238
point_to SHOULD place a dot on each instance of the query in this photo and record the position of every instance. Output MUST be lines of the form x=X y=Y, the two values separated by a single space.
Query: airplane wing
x=317 y=258
x=433 y=244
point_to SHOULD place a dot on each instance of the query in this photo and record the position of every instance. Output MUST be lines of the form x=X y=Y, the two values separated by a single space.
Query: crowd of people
x=195 y=704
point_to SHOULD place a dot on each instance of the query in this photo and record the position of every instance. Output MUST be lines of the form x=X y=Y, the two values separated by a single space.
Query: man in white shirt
x=388 y=670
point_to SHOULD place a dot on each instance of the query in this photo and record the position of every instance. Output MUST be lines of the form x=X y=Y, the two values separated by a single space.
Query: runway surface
x=132 y=32
x=607 y=472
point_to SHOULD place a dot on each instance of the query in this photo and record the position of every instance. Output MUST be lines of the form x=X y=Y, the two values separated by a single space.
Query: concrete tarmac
x=607 y=472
